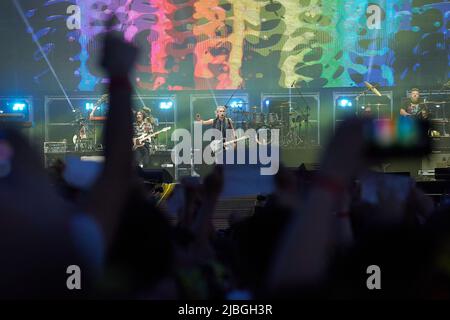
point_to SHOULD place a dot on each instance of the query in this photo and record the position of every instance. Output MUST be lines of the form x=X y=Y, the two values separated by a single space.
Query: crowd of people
x=314 y=237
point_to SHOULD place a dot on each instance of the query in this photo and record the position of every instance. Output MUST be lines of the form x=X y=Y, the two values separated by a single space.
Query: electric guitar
x=218 y=146
x=140 y=141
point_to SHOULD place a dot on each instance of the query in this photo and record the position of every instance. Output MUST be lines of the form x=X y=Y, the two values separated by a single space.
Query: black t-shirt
x=416 y=109
x=222 y=125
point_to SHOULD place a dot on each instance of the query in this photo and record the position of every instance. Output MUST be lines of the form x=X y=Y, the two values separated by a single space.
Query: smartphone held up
x=402 y=137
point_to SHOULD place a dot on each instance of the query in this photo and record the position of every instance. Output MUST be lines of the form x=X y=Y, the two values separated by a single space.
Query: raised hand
x=213 y=184
x=118 y=56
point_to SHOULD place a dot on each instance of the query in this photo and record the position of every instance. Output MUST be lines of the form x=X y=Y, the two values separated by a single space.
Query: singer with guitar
x=414 y=106
x=222 y=123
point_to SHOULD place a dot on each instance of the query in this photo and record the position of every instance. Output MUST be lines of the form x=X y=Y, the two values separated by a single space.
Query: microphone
x=293 y=83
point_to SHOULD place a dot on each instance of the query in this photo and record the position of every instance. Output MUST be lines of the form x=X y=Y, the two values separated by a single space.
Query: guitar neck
x=155 y=133
x=236 y=140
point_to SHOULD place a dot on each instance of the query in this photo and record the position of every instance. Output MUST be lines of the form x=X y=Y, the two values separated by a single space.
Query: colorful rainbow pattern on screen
x=226 y=44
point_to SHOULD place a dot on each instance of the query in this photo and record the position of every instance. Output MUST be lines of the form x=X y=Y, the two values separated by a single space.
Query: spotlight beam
x=140 y=98
x=36 y=41
x=212 y=92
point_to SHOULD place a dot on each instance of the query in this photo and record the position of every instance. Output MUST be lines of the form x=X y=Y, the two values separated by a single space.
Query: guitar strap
x=230 y=124
x=219 y=126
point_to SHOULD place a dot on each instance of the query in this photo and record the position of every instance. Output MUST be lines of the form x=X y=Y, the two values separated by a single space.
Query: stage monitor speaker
x=156 y=175
x=161 y=160
x=442 y=173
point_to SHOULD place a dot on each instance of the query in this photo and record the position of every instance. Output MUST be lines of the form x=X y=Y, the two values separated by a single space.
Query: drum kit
x=435 y=113
x=373 y=110
x=82 y=139
x=289 y=122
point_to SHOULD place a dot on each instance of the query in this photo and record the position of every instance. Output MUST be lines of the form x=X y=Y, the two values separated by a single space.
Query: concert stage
x=300 y=69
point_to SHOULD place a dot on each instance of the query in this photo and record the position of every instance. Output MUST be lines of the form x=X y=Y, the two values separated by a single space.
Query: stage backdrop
x=253 y=44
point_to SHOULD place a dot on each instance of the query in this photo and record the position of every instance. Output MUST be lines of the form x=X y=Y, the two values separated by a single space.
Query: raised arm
x=204 y=122
x=303 y=256
x=111 y=189
x=202 y=226
x=207 y=122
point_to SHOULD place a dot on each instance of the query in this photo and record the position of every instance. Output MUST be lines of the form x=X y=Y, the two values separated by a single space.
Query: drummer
x=414 y=106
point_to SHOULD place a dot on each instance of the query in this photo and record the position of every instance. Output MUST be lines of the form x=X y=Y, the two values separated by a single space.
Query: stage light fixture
x=236 y=103
x=18 y=106
x=17 y=111
x=89 y=106
x=267 y=102
x=344 y=102
x=165 y=105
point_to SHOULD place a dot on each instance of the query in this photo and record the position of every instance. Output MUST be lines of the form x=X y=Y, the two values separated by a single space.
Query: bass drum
x=258 y=119
x=85 y=144
x=272 y=119
x=263 y=136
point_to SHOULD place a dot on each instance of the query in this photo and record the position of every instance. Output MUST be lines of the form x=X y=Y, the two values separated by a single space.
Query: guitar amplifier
x=55 y=147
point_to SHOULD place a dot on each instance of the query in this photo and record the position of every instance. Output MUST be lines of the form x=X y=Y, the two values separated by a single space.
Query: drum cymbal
x=434 y=102
x=78 y=120
x=376 y=105
x=439 y=120
x=372 y=88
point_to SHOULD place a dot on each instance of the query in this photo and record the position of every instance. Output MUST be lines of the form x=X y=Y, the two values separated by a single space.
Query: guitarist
x=221 y=122
x=414 y=106
x=141 y=126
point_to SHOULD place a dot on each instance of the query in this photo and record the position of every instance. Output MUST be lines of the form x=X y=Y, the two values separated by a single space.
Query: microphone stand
x=308 y=109
x=226 y=103
x=364 y=93
x=234 y=92
x=445 y=85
